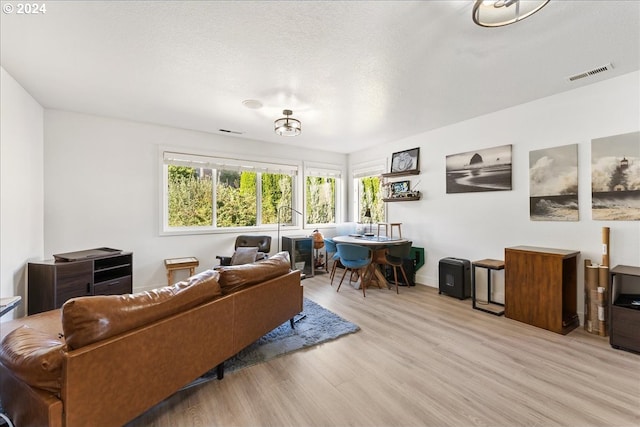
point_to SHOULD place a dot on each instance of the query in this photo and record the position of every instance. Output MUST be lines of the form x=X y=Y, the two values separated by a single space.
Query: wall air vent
x=231 y=131
x=590 y=73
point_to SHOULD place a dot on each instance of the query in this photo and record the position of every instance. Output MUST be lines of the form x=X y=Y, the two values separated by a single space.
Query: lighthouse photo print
x=615 y=177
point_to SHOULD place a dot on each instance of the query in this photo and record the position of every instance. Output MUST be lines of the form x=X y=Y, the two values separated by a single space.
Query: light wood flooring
x=420 y=359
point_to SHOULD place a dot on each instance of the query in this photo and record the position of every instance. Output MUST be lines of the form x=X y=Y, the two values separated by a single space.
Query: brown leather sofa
x=104 y=360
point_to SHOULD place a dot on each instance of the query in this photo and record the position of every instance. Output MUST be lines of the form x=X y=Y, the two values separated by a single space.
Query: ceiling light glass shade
x=287 y=126
x=496 y=13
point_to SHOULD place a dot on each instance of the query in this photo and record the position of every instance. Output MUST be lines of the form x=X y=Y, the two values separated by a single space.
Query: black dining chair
x=394 y=256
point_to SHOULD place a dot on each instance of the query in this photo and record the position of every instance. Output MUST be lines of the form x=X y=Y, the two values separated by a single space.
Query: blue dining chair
x=355 y=258
x=332 y=253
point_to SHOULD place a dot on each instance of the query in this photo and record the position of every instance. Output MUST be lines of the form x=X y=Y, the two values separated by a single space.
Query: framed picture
x=399 y=188
x=406 y=161
x=487 y=169
x=553 y=184
x=615 y=177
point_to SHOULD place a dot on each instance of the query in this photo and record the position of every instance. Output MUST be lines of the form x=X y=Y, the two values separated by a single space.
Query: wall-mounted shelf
x=402 y=199
x=404 y=173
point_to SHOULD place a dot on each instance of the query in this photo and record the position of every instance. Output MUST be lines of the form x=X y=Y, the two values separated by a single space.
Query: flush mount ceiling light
x=253 y=104
x=288 y=126
x=496 y=13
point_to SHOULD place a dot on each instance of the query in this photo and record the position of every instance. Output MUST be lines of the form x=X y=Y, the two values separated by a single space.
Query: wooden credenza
x=51 y=283
x=541 y=287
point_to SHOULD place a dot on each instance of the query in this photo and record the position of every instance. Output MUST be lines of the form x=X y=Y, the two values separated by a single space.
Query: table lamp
x=367 y=214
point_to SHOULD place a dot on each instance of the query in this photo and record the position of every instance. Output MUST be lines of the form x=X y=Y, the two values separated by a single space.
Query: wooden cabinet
x=541 y=287
x=624 y=307
x=51 y=283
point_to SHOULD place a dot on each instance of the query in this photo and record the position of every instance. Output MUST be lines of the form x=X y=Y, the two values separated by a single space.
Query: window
x=367 y=187
x=322 y=185
x=204 y=193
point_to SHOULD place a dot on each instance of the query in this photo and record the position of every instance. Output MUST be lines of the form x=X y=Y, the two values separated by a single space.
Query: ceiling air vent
x=590 y=73
x=231 y=131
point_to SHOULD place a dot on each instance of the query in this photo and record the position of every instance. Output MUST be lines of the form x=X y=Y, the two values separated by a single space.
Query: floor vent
x=590 y=73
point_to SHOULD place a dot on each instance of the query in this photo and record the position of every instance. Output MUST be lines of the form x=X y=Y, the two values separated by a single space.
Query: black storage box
x=455 y=277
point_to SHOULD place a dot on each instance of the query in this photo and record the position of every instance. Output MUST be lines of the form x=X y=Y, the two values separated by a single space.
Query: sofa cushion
x=236 y=277
x=86 y=320
x=244 y=255
x=34 y=357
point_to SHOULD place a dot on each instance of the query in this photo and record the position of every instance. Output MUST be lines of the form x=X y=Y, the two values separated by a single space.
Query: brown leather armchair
x=245 y=255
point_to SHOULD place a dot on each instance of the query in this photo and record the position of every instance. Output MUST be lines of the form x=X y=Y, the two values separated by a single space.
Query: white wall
x=101 y=184
x=480 y=225
x=102 y=188
x=21 y=187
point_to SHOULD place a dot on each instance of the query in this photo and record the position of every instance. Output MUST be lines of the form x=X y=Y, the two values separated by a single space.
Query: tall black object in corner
x=300 y=250
x=455 y=277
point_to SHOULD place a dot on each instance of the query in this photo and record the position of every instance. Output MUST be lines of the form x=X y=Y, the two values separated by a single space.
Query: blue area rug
x=314 y=326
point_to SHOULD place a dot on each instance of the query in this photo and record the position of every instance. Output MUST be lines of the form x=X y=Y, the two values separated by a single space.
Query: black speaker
x=455 y=277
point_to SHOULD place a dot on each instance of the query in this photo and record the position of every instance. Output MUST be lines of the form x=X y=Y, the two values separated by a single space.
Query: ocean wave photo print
x=553 y=184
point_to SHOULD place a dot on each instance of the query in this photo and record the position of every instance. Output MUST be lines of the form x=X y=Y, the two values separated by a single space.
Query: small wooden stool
x=386 y=228
x=172 y=264
x=489 y=264
x=396 y=224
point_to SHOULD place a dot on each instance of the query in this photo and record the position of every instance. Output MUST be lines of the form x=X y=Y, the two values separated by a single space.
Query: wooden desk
x=172 y=264
x=375 y=243
x=541 y=287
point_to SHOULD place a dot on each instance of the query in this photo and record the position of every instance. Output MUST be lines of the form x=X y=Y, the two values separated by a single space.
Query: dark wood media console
x=51 y=282
x=624 y=308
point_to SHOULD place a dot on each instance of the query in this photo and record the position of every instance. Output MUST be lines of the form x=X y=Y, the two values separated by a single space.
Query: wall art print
x=488 y=169
x=553 y=184
x=399 y=188
x=406 y=161
x=615 y=177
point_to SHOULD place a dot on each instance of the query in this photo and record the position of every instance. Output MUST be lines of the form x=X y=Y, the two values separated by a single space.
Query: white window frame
x=362 y=170
x=328 y=170
x=202 y=159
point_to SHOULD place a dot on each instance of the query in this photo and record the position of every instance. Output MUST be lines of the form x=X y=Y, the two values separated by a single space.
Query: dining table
x=375 y=243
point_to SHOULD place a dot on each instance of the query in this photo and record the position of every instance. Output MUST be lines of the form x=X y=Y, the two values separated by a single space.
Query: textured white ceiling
x=356 y=73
